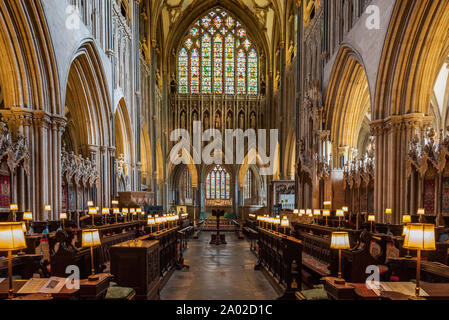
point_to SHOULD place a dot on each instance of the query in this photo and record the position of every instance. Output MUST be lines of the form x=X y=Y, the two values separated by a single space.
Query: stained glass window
x=218 y=64
x=206 y=72
x=195 y=72
x=229 y=65
x=252 y=72
x=221 y=56
x=183 y=66
x=247 y=186
x=241 y=72
x=218 y=184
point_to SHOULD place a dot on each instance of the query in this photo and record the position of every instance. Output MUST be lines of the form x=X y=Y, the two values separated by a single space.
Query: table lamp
x=340 y=241
x=12 y=238
x=406 y=219
x=316 y=214
x=13 y=208
x=420 y=237
x=151 y=222
x=62 y=217
x=345 y=209
x=116 y=212
x=295 y=211
x=90 y=204
x=158 y=221
x=132 y=213
x=27 y=216
x=47 y=209
x=371 y=219
x=285 y=224
x=421 y=212
x=388 y=212
x=91 y=239
x=125 y=213
x=302 y=212
x=326 y=214
x=105 y=212
x=340 y=214
x=93 y=212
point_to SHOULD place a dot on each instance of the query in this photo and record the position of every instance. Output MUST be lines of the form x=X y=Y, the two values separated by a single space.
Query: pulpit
x=218 y=238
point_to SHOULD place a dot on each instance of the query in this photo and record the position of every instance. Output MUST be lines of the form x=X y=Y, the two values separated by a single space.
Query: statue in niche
x=183 y=120
x=217 y=121
x=195 y=116
x=253 y=121
x=206 y=121
x=229 y=121
x=242 y=121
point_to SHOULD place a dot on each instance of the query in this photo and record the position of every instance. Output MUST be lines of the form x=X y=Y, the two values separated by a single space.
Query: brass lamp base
x=416 y=298
x=93 y=277
x=340 y=281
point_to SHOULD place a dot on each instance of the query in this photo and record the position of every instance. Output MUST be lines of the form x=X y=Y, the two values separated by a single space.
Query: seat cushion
x=318 y=293
x=118 y=293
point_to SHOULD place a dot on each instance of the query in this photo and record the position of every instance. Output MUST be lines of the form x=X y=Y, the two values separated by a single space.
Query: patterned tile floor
x=223 y=272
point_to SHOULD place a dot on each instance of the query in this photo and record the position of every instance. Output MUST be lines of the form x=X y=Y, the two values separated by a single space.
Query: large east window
x=218 y=184
x=217 y=57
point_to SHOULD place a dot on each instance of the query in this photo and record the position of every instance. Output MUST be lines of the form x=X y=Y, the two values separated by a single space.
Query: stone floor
x=223 y=272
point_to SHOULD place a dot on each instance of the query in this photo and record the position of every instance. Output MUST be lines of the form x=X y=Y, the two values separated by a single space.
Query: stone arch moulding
x=124 y=137
x=28 y=68
x=91 y=79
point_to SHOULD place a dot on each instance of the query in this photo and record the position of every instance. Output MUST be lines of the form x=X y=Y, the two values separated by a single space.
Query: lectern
x=218 y=238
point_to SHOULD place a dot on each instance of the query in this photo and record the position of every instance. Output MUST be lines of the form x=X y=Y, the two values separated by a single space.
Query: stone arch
x=348 y=100
x=146 y=160
x=86 y=96
x=123 y=132
x=416 y=47
x=290 y=155
x=28 y=66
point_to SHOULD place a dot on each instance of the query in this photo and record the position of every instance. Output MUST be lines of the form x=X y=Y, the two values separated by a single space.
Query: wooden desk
x=95 y=290
x=64 y=294
x=355 y=291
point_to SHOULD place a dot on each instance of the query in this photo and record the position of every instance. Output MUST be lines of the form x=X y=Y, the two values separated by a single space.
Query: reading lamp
x=285 y=224
x=62 y=217
x=28 y=216
x=296 y=211
x=116 y=212
x=105 y=212
x=371 y=219
x=13 y=208
x=132 y=213
x=326 y=213
x=388 y=212
x=93 y=212
x=151 y=222
x=277 y=222
x=90 y=204
x=125 y=213
x=340 y=241
x=302 y=212
x=339 y=214
x=114 y=202
x=48 y=209
x=421 y=212
x=419 y=237
x=316 y=213
x=91 y=239
x=12 y=238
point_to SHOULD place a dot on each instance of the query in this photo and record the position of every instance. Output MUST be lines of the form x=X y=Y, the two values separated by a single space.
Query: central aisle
x=223 y=272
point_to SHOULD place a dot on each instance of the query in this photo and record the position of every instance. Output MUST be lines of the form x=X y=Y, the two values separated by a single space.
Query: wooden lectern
x=218 y=238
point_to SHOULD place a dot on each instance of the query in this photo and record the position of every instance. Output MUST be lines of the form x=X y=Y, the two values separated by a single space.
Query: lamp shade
x=296 y=211
x=340 y=213
x=90 y=203
x=406 y=219
x=327 y=203
x=48 y=207
x=151 y=221
x=421 y=211
x=345 y=209
x=28 y=216
x=63 y=215
x=371 y=218
x=105 y=211
x=340 y=240
x=92 y=211
x=125 y=211
x=116 y=211
x=90 y=238
x=309 y=211
x=285 y=223
x=317 y=212
x=388 y=211
x=420 y=236
x=302 y=212
x=13 y=207
x=138 y=210
x=114 y=202
x=326 y=213
x=12 y=236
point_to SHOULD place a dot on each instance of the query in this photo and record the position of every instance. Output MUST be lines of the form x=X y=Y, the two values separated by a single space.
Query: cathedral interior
x=101 y=103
